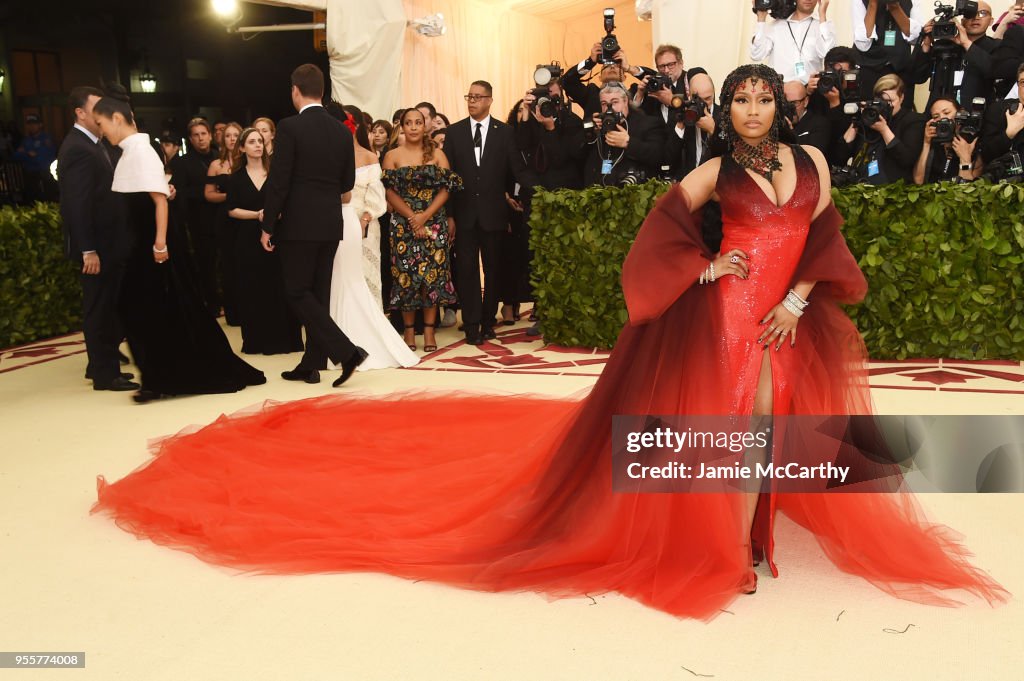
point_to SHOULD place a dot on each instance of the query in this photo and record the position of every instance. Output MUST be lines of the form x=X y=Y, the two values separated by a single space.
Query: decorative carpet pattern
x=515 y=352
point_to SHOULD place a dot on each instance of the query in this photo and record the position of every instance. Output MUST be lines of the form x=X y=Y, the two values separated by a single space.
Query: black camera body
x=658 y=82
x=874 y=111
x=689 y=111
x=778 y=9
x=609 y=43
x=844 y=176
x=968 y=123
x=945 y=130
x=611 y=119
x=1009 y=167
x=847 y=82
x=548 y=105
x=944 y=30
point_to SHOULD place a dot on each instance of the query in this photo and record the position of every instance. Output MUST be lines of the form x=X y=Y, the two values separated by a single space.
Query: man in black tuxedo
x=810 y=128
x=96 y=238
x=482 y=151
x=314 y=166
x=687 y=145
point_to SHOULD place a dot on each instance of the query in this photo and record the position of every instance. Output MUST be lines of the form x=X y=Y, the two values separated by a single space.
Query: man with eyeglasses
x=481 y=150
x=963 y=70
x=795 y=46
x=810 y=128
x=1003 y=125
x=634 y=146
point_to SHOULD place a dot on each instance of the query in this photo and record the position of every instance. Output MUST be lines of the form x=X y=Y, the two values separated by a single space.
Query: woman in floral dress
x=419 y=180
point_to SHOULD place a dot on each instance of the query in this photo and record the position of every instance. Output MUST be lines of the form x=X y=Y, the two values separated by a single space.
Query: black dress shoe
x=348 y=367
x=473 y=339
x=487 y=334
x=307 y=375
x=119 y=384
x=123 y=358
x=124 y=374
x=144 y=396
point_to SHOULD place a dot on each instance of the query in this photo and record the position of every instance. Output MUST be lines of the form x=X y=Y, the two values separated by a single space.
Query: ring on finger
x=734 y=259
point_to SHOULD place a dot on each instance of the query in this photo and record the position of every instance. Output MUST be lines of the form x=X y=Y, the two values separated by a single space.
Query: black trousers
x=101 y=323
x=307 y=267
x=472 y=244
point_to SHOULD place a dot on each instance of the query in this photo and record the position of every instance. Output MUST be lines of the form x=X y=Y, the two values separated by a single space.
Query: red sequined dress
x=357 y=483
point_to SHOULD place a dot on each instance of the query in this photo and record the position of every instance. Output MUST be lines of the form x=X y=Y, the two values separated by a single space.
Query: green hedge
x=942 y=263
x=39 y=291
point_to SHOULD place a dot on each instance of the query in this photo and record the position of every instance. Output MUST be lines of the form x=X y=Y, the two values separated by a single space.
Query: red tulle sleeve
x=666 y=259
x=827 y=260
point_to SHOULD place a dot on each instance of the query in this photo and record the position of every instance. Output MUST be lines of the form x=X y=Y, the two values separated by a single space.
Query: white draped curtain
x=380 y=65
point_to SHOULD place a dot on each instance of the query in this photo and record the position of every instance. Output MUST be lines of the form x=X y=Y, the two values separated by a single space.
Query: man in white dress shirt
x=795 y=46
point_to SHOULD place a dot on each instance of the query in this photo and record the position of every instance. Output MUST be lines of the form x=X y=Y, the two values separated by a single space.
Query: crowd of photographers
x=856 y=104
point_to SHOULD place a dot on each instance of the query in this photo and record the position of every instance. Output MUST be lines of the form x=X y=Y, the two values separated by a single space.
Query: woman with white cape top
x=353 y=305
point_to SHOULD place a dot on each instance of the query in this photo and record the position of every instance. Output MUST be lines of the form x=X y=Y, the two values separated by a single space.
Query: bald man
x=811 y=129
x=970 y=67
x=687 y=145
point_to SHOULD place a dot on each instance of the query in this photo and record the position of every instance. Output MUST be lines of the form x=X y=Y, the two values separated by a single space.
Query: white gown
x=368 y=197
x=353 y=307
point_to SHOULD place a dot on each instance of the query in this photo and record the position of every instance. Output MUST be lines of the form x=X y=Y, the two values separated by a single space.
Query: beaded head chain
x=764 y=158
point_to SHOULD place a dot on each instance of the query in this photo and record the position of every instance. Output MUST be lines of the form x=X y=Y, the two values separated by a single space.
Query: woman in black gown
x=178 y=347
x=268 y=325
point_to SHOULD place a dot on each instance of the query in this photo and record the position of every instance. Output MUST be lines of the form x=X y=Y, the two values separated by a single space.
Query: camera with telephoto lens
x=968 y=123
x=944 y=30
x=633 y=176
x=778 y=9
x=658 y=82
x=609 y=43
x=689 y=111
x=874 y=111
x=945 y=130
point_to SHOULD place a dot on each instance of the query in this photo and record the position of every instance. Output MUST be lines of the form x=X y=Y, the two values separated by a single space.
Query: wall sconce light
x=3 y=77
x=147 y=81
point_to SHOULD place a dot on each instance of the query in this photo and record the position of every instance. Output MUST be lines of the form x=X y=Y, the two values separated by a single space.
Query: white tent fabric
x=365 y=41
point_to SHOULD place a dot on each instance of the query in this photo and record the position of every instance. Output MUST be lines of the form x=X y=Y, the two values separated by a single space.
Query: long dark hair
x=115 y=100
x=723 y=141
x=241 y=159
x=362 y=135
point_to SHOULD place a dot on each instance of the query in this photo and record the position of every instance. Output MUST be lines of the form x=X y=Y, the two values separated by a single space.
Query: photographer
x=1003 y=124
x=587 y=95
x=962 y=67
x=550 y=140
x=794 y=46
x=810 y=128
x=946 y=155
x=670 y=80
x=628 y=145
x=883 y=31
x=692 y=126
x=884 y=141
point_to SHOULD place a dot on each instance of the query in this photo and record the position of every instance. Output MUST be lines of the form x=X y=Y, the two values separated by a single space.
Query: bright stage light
x=227 y=9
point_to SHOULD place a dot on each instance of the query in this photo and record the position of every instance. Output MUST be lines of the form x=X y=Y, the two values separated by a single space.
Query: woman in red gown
x=341 y=484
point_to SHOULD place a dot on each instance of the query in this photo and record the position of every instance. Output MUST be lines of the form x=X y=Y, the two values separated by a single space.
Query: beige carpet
x=75 y=582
